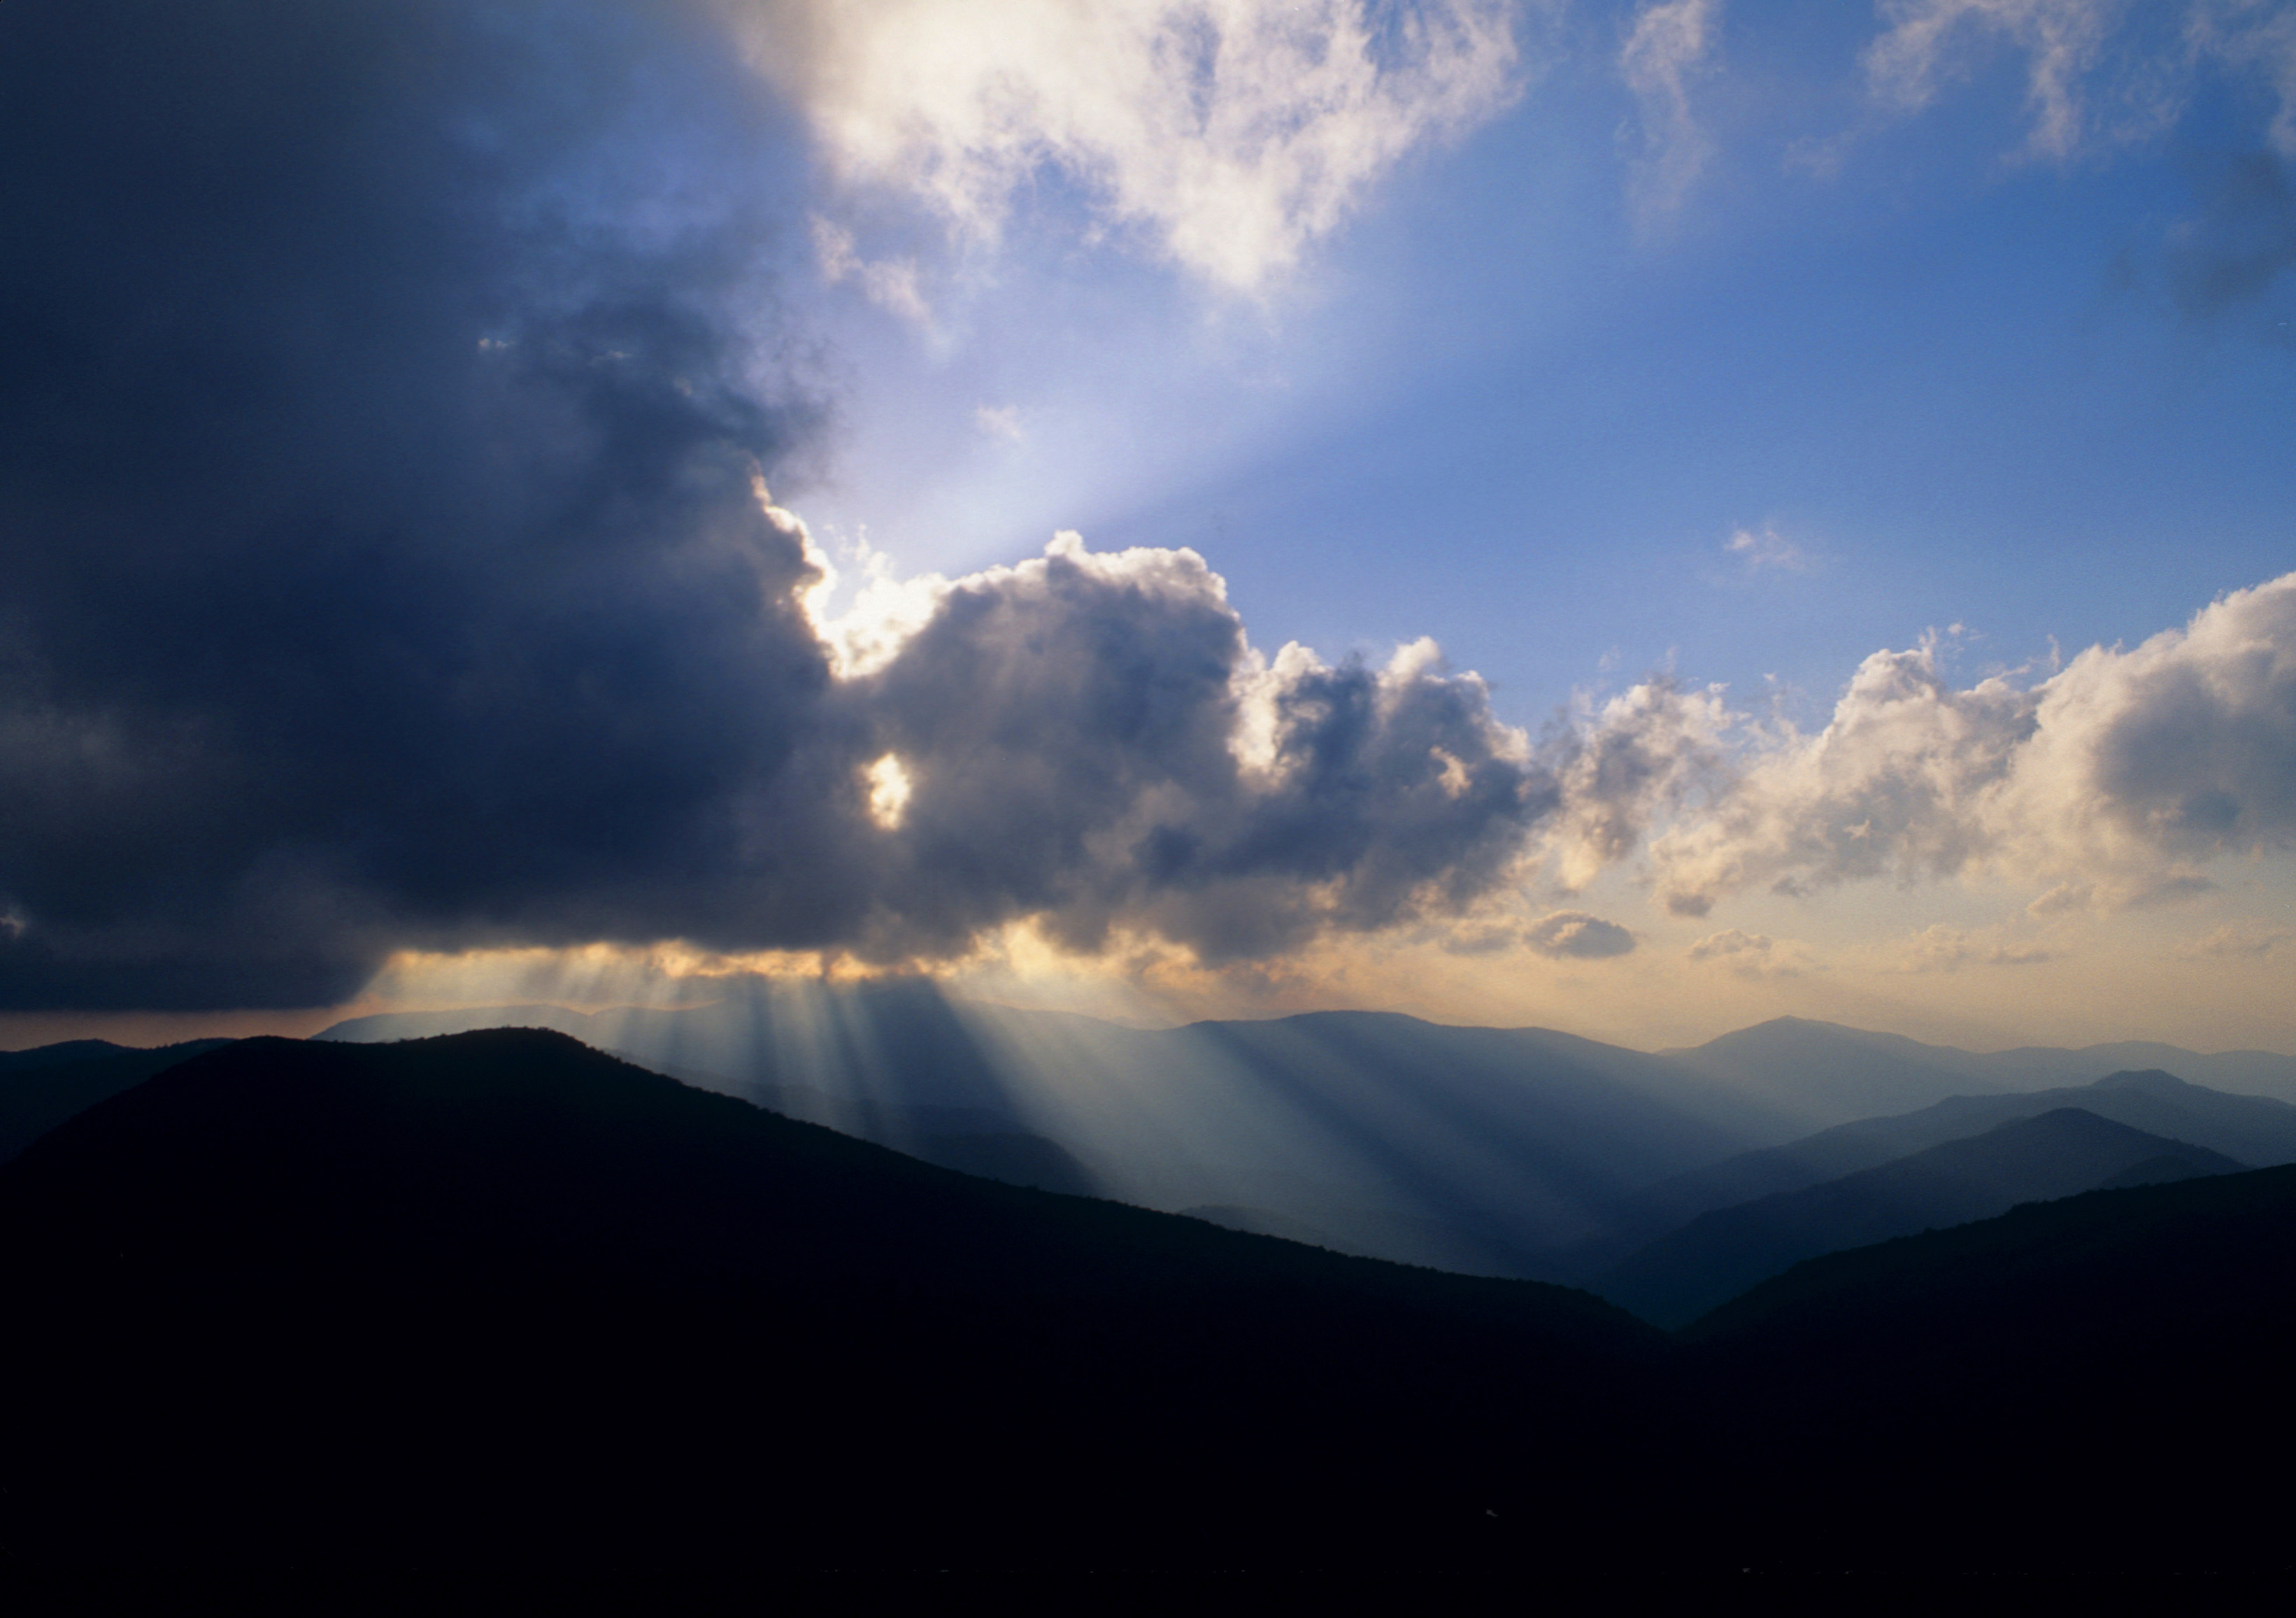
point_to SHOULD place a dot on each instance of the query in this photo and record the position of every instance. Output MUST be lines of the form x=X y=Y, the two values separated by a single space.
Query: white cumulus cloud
x=2109 y=784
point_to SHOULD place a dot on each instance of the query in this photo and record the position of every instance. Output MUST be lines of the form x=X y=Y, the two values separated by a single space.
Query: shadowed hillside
x=2095 y=1383
x=499 y=1295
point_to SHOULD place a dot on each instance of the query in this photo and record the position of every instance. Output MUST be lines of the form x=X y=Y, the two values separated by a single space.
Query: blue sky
x=1953 y=376
x=1636 y=517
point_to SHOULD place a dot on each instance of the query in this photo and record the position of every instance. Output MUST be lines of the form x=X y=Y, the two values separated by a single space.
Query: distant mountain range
x=499 y=1300
x=1522 y=1153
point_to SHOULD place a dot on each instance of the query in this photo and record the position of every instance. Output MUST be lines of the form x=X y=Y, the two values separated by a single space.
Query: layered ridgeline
x=2252 y=1129
x=2059 y=1153
x=1520 y=1152
x=497 y=1298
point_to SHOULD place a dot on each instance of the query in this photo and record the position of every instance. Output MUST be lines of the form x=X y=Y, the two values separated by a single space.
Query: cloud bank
x=2108 y=784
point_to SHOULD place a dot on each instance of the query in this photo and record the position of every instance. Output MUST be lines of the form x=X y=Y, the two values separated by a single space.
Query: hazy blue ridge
x=1719 y=1254
x=2253 y=1129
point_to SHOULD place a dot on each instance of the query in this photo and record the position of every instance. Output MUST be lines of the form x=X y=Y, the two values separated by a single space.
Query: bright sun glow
x=889 y=792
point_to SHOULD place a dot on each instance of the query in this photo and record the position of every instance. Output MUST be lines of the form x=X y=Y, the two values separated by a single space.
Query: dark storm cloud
x=381 y=560
x=380 y=557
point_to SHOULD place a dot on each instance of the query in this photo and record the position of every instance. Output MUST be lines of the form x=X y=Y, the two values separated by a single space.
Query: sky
x=1634 y=518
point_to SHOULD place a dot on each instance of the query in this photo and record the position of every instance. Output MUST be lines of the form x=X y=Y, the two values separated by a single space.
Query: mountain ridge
x=1726 y=1251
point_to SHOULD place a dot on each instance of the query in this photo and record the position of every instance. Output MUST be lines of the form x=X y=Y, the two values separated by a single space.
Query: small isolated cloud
x=1234 y=132
x=2236 y=941
x=2066 y=898
x=1766 y=547
x=1939 y=947
x=1670 y=43
x=1480 y=937
x=1575 y=935
x=890 y=283
x=1753 y=954
x=1000 y=421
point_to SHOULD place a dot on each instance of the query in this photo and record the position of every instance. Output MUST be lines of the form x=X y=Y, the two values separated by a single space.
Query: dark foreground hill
x=2096 y=1383
x=499 y=1297
x=1721 y=1254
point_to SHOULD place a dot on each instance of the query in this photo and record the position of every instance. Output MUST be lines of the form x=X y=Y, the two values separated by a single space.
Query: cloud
x=1578 y=936
x=1670 y=42
x=1000 y=421
x=2242 y=241
x=2236 y=941
x=1622 y=765
x=2107 y=782
x=1093 y=742
x=2095 y=70
x=890 y=283
x=2064 y=41
x=2258 y=39
x=1753 y=954
x=388 y=567
x=1939 y=947
x=1233 y=132
x=1767 y=548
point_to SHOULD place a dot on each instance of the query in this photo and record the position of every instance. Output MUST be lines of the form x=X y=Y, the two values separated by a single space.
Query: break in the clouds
x=1233 y=132
x=386 y=560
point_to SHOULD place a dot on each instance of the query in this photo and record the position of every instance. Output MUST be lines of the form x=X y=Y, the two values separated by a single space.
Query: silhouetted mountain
x=67 y=1050
x=40 y=1088
x=1718 y=1255
x=501 y=1297
x=2090 y=1383
x=2250 y=1129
